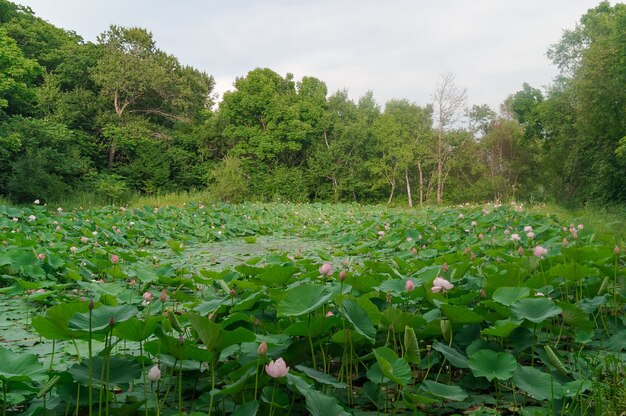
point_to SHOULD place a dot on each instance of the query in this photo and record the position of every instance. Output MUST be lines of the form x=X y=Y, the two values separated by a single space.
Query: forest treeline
x=120 y=116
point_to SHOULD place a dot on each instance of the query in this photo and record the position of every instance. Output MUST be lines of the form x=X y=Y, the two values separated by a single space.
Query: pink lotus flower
x=520 y=251
x=329 y=314
x=530 y=235
x=31 y=218
x=444 y=267
x=73 y=249
x=474 y=223
x=154 y=374
x=147 y=296
x=41 y=256
x=540 y=251
x=581 y=226
x=515 y=237
x=409 y=285
x=381 y=233
x=326 y=269
x=409 y=240
x=441 y=284
x=115 y=259
x=277 y=368
x=528 y=228
x=616 y=250
x=262 y=350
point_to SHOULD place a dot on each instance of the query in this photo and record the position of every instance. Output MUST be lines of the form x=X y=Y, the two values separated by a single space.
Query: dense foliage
x=121 y=116
x=309 y=309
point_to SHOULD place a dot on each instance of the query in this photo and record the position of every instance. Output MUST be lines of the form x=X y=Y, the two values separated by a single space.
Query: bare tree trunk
x=449 y=101
x=111 y=155
x=393 y=188
x=408 y=188
x=439 y=182
x=419 y=168
x=333 y=178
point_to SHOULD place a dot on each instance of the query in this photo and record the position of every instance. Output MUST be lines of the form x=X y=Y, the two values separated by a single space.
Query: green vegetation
x=309 y=309
x=145 y=293
x=120 y=117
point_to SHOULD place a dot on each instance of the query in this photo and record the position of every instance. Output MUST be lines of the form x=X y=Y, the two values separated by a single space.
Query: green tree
x=17 y=76
x=592 y=58
x=137 y=78
x=400 y=135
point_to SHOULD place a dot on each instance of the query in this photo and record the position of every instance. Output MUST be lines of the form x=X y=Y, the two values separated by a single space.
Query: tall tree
x=17 y=76
x=400 y=134
x=592 y=58
x=448 y=104
x=137 y=78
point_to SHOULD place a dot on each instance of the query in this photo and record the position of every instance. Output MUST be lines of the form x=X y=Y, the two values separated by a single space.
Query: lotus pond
x=308 y=309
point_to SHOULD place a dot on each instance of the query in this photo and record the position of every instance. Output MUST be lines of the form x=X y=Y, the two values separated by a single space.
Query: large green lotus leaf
x=394 y=368
x=137 y=330
x=102 y=317
x=575 y=317
x=55 y=324
x=411 y=346
x=444 y=391
x=240 y=378
x=540 y=385
x=22 y=367
x=247 y=409
x=208 y=331
x=365 y=282
x=319 y=404
x=460 y=314
x=455 y=357
x=358 y=317
x=277 y=275
x=401 y=319
x=502 y=328
x=315 y=327
x=304 y=299
x=236 y=336
x=121 y=371
x=572 y=271
x=509 y=295
x=535 y=310
x=320 y=377
x=491 y=364
x=248 y=302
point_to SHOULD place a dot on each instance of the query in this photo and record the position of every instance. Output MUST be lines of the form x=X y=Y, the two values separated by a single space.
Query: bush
x=108 y=188
x=227 y=181
x=32 y=178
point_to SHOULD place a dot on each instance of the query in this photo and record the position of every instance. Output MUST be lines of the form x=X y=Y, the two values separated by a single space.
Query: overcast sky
x=397 y=49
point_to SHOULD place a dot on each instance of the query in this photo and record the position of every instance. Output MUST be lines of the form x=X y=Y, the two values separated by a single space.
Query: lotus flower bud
x=262 y=350
x=154 y=374
x=326 y=269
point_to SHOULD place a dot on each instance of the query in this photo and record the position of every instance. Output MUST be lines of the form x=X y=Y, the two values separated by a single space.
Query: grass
x=608 y=222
